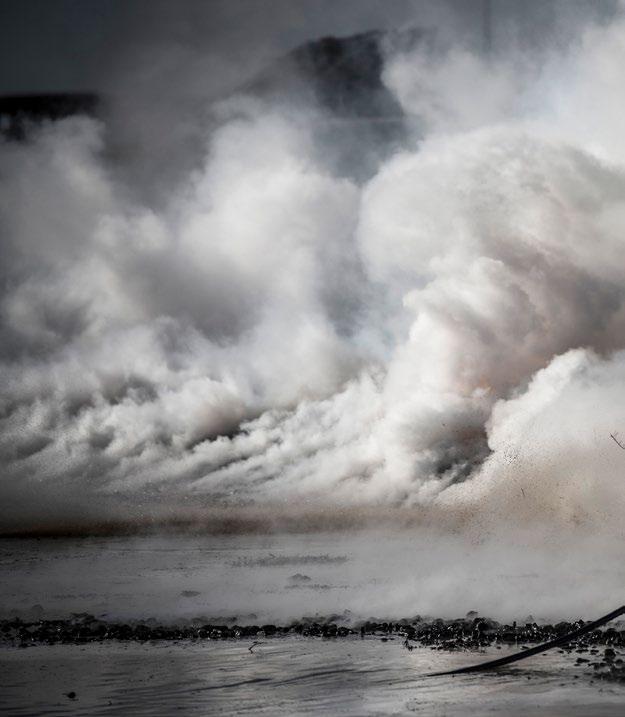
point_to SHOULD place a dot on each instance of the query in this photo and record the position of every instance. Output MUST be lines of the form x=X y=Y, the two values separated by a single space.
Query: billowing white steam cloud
x=448 y=334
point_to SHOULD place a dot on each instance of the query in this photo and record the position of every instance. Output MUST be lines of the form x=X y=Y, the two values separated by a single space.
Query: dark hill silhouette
x=17 y=112
x=343 y=75
x=359 y=123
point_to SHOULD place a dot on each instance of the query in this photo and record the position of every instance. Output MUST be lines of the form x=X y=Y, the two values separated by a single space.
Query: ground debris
x=582 y=630
x=471 y=632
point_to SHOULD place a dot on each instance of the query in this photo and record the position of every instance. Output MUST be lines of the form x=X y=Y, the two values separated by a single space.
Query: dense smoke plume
x=439 y=328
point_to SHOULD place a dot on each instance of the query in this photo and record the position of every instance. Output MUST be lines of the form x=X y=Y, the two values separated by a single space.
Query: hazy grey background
x=78 y=45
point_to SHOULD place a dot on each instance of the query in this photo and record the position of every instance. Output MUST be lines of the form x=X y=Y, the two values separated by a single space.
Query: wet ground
x=164 y=625
x=290 y=676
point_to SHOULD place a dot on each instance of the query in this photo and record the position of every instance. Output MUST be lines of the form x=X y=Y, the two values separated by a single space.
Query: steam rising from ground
x=448 y=335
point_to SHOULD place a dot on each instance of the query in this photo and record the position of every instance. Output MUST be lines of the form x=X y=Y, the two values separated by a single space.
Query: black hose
x=492 y=664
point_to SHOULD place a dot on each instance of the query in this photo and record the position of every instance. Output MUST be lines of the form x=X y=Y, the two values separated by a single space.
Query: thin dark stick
x=616 y=440
x=492 y=664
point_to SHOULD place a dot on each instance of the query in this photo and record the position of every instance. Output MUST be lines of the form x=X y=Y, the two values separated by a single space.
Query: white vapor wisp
x=447 y=336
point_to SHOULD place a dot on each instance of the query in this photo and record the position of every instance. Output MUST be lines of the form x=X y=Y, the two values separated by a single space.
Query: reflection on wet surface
x=288 y=676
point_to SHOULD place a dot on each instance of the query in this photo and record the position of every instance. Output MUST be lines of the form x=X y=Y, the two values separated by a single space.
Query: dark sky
x=48 y=45
x=56 y=45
